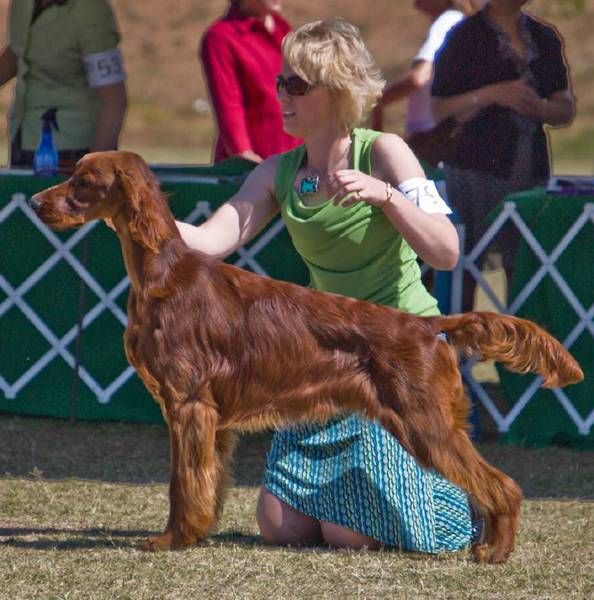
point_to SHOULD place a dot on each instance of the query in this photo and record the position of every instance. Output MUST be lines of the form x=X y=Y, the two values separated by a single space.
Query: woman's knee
x=282 y=525
x=341 y=537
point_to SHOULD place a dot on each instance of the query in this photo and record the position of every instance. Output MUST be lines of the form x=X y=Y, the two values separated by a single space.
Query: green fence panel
x=43 y=297
x=544 y=420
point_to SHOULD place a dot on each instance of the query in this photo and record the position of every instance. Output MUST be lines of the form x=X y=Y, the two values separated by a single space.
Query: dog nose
x=35 y=203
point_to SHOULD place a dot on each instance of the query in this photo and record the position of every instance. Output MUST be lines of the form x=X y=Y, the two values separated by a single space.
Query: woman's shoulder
x=392 y=158
x=465 y=37
x=365 y=135
x=92 y=11
x=218 y=30
x=541 y=29
x=224 y=29
x=380 y=139
x=467 y=27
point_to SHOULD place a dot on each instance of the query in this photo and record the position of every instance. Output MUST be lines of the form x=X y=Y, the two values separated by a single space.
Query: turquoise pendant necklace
x=310 y=184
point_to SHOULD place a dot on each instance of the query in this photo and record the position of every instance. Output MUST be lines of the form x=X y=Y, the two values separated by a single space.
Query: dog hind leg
x=435 y=434
x=498 y=495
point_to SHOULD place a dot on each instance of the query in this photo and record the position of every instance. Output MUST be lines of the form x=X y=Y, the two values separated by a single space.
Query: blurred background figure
x=241 y=57
x=416 y=83
x=502 y=75
x=64 y=55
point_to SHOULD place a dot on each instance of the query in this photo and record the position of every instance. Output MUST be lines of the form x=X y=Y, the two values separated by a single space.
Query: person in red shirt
x=241 y=57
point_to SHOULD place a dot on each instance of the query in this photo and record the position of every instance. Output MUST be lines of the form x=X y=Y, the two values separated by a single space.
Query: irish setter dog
x=223 y=350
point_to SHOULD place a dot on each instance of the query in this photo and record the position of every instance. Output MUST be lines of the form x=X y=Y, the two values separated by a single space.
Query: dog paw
x=488 y=554
x=157 y=543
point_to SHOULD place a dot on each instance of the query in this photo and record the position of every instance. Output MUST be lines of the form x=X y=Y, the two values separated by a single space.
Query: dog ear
x=144 y=199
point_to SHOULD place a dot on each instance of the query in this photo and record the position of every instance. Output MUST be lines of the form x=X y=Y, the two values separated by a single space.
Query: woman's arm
x=515 y=94
x=114 y=101
x=431 y=235
x=226 y=95
x=417 y=76
x=240 y=219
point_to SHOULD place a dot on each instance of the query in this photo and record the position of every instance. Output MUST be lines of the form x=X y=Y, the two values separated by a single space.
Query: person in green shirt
x=359 y=211
x=64 y=54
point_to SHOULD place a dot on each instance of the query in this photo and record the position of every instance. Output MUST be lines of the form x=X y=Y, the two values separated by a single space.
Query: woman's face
x=306 y=115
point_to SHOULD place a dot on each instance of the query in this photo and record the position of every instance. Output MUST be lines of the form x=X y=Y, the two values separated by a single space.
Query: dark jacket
x=471 y=58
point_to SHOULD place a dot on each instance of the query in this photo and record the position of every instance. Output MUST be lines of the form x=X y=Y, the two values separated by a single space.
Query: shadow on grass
x=52 y=538
x=52 y=449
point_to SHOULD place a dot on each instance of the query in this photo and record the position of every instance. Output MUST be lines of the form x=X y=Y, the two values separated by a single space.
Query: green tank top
x=352 y=251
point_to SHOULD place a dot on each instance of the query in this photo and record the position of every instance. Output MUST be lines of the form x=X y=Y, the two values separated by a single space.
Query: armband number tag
x=424 y=194
x=104 y=68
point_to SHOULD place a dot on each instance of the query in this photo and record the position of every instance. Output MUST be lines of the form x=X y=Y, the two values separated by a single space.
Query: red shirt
x=241 y=59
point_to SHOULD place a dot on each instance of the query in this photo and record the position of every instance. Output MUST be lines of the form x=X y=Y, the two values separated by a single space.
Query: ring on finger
x=358 y=194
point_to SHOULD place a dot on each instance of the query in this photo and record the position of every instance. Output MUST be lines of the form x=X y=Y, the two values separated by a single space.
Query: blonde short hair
x=331 y=53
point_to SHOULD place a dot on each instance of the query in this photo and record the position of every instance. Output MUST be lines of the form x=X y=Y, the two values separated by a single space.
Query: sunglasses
x=294 y=85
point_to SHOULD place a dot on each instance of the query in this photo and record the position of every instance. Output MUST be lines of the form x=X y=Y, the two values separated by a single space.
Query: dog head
x=108 y=185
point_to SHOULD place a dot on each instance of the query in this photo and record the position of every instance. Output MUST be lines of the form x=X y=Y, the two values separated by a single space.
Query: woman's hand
x=518 y=95
x=515 y=94
x=350 y=186
x=250 y=155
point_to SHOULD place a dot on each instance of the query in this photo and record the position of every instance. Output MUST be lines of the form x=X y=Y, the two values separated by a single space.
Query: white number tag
x=424 y=194
x=104 y=68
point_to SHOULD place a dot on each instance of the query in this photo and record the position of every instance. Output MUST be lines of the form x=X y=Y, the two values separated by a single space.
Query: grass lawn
x=75 y=500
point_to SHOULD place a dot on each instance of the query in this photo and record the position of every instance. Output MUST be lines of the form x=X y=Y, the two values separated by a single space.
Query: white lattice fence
x=110 y=301
x=103 y=301
x=548 y=267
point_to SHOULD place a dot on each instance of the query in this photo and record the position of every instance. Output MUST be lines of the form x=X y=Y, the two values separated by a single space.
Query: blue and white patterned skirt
x=353 y=473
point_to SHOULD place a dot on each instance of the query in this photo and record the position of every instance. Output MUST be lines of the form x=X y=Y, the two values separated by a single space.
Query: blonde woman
x=359 y=211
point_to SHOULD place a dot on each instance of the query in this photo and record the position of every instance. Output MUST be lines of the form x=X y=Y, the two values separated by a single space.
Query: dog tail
x=522 y=346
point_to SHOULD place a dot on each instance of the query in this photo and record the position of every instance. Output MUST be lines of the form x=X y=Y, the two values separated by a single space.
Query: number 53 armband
x=104 y=68
x=424 y=194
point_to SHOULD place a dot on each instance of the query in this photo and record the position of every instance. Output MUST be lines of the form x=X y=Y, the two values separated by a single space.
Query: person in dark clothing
x=503 y=76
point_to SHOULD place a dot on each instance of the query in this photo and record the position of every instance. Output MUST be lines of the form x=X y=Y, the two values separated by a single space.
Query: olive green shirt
x=352 y=251
x=51 y=72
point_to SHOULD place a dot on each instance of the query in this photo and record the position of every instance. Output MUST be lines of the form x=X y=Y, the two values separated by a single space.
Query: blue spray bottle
x=45 y=159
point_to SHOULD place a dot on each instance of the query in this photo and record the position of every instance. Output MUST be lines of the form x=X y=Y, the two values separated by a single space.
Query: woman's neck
x=507 y=16
x=328 y=151
x=265 y=18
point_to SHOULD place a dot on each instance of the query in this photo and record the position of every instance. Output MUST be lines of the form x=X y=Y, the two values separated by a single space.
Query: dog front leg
x=226 y=441
x=196 y=475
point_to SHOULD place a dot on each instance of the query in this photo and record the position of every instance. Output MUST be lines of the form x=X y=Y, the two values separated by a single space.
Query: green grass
x=75 y=500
